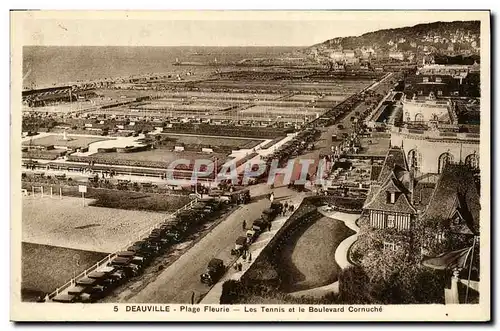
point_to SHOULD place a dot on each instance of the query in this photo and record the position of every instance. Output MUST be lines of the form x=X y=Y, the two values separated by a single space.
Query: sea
x=45 y=66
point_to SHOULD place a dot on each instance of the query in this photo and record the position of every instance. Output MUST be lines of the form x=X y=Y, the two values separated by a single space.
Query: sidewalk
x=213 y=296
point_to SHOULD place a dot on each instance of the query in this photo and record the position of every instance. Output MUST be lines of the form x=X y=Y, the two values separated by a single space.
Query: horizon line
x=296 y=46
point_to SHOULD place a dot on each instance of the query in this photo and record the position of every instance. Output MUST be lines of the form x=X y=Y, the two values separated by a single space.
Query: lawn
x=224 y=95
x=66 y=223
x=159 y=105
x=272 y=111
x=303 y=97
x=44 y=267
x=309 y=256
x=205 y=141
x=151 y=202
x=158 y=155
x=286 y=85
x=57 y=140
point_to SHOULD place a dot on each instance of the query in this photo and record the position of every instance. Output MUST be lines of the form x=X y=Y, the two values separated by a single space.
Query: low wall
x=264 y=264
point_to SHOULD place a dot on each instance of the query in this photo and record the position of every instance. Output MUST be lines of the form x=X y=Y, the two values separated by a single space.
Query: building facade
x=429 y=109
x=429 y=151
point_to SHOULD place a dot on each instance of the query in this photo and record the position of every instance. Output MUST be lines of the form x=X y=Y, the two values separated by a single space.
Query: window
x=456 y=219
x=440 y=92
x=425 y=79
x=391 y=221
x=391 y=197
x=389 y=246
x=443 y=160
x=420 y=92
x=438 y=80
x=472 y=161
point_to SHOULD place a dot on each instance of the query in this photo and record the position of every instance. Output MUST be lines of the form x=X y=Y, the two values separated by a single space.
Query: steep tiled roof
x=394 y=177
x=375 y=172
x=455 y=189
x=394 y=161
x=422 y=193
x=401 y=205
x=371 y=194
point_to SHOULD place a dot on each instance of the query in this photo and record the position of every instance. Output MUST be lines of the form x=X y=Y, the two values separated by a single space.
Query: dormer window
x=425 y=79
x=391 y=197
x=438 y=80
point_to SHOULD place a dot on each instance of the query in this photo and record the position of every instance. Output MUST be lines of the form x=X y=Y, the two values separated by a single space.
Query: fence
x=109 y=257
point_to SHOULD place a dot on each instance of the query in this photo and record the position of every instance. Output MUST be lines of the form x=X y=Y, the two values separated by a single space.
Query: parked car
x=64 y=298
x=251 y=235
x=215 y=270
x=240 y=245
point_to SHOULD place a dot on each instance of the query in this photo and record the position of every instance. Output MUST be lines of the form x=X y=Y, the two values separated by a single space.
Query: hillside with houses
x=404 y=44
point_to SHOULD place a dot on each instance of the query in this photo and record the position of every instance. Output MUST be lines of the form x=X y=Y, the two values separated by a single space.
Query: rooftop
x=455 y=190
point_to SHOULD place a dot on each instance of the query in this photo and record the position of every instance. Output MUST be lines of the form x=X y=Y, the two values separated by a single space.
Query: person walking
x=249 y=257
x=244 y=225
x=285 y=209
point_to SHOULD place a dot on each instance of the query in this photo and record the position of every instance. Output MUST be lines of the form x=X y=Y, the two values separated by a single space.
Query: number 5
x=115 y=309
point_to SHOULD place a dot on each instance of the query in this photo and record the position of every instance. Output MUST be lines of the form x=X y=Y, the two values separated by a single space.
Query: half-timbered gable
x=389 y=199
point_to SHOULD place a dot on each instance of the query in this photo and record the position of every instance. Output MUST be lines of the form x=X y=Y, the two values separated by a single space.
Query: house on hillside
x=396 y=55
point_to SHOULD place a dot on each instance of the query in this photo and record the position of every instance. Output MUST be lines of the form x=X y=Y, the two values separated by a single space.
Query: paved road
x=179 y=281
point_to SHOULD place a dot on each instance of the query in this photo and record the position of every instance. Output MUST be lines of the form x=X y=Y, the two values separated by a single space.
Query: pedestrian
x=285 y=209
x=269 y=226
x=291 y=208
x=244 y=225
x=240 y=266
x=249 y=257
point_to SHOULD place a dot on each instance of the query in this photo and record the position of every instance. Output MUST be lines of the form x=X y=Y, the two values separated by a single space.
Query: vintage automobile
x=108 y=280
x=142 y=250
x=252 y=235
x=238 y=197
x=92 y=294
x=215 y=270
x=159 y=239
x=126 y=265
x=172 y=234
x=240 y=245
x=77 y=290
x=190 y=217
x=146 y=246
x=259 y=226
x=65 y=298
x=199 y=208
x=136 y=258
x=86 y=281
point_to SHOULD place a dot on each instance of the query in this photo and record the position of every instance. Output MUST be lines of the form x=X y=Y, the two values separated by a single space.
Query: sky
x=264 y=28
